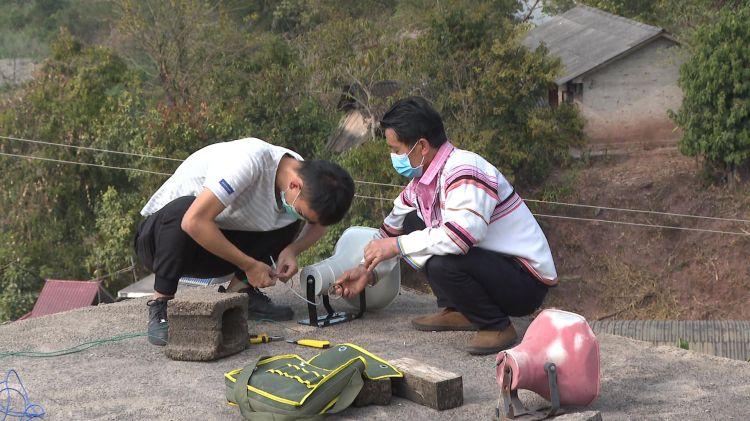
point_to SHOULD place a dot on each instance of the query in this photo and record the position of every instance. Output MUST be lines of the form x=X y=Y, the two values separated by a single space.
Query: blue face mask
x=289 y=209
x=403 y=166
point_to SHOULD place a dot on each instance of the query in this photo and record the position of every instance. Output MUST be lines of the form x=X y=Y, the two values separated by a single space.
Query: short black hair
x=414 y=118
x=328 y=189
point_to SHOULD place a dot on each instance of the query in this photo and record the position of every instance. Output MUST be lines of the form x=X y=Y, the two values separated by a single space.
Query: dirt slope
x=627 y=272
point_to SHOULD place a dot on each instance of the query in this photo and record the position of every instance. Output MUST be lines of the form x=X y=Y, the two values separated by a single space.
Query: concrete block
x=426 y=385
x=206 y=325
x=374 y=392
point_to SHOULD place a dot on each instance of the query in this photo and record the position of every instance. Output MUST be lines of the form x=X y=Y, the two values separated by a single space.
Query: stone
x=206 y=325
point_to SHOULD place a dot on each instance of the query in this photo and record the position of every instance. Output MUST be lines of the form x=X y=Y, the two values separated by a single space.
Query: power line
x=117 y=272
x=642 y=225
x=82 y=163
x=356 y=181
x=373 y=197
x=62 y=145
x=580 y=205
x=41 y=142
x=607 y=221
x=378 y=184
x=386 y=199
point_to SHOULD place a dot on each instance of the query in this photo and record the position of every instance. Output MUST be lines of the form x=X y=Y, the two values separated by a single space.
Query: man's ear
x=425 y=146
x=296 y=182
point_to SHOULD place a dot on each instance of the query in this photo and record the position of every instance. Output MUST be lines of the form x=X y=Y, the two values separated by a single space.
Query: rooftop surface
x=131 y=379
x=585 y=37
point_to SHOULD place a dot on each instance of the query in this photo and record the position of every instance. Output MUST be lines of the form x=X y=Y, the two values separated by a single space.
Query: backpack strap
x=240 y=389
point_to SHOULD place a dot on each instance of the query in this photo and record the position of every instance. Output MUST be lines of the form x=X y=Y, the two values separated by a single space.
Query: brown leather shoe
x=447 y=320
x=491 y=341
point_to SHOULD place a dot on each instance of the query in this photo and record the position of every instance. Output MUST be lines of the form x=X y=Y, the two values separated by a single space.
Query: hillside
x=629 y=272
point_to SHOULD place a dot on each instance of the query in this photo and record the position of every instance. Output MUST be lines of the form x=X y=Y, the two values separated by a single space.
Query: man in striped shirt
x=231 y=207
x=485 y=256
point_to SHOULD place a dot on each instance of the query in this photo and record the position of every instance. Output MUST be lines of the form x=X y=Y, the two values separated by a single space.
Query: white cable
x=609 y=221
x=638 y=211
x=356 y=181
x=83 y=163
x=41 y=142
x=129 y=268
x=62 y=145
x=289 y=284
x=372 y=197
x=378 y=184
x=642 y=225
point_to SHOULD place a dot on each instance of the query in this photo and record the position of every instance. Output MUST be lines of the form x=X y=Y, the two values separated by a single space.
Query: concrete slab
x=132 y=379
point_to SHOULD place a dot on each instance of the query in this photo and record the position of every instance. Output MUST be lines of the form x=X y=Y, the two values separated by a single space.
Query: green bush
x=715 y=111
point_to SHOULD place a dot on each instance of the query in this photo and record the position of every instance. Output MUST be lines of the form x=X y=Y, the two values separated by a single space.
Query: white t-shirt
x=242 y=175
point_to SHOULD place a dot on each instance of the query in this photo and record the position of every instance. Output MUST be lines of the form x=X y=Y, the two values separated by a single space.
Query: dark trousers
x=485 y=286
x=164 y=248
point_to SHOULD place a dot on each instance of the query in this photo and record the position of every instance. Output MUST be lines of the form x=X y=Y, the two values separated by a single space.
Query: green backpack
x=287 y=387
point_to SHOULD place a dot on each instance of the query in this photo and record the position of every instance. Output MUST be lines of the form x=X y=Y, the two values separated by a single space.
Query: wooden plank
x=374 y=392
x=428 y=386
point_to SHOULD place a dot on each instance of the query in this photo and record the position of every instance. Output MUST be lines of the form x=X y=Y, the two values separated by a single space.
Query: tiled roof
x=62 y=295
x=585 y=37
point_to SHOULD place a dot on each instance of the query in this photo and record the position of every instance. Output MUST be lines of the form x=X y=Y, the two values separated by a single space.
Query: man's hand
x=353 y=281
x=380 y=250
x=286 y=267
x=259 y=274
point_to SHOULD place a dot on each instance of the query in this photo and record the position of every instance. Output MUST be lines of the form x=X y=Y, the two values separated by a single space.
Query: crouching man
x=231 y=207
x=485 y=256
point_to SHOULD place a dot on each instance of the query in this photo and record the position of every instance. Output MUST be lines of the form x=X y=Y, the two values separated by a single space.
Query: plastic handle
x=259 y=339
x=314 y=343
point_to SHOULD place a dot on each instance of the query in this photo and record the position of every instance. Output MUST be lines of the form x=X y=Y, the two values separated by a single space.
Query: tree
x=182 y=74
x=715 y=112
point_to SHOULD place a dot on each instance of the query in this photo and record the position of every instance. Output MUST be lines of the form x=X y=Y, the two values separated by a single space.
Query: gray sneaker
x=261 y=307
x=158 y=325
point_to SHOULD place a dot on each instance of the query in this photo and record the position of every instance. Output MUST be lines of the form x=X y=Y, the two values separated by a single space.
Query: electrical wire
x=395 y=185
x=373 y=197
x=117 y=272
x=74 y=349
x=83 y=163
x=615 y=222
x=379 y=184
x=642 y=225
x=30 y=410
x=289 y=285
x=88 y=148
x=581 y=205
x=683 y=215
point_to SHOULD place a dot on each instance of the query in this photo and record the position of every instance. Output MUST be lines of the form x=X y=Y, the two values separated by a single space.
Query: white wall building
x=622 y=74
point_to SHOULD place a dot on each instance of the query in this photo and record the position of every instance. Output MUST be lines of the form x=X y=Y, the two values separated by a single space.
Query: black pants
x=485 y=286
x=164 y=248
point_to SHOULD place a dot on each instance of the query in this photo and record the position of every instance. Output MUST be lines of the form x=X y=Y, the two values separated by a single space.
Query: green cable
x=72 y=350
x=97 y=342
